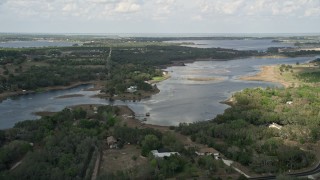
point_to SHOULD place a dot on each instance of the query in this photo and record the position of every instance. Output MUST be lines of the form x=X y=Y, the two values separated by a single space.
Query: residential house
x=132 y=89
x=208 y=152
x=158 y=154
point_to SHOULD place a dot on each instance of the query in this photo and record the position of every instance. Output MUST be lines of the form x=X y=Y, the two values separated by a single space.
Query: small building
x=132 y=89
x=95 y=110
x=275 y=125
x=165 y=73
x=112 y=142
x=289 y=102
x=208 y=152
x=158 y=154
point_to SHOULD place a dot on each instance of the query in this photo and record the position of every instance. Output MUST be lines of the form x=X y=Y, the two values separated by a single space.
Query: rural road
x=311 y=172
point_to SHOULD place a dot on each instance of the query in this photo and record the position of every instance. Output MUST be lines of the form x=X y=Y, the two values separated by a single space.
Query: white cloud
x=174 y=13
x=231 y=7
x=163 y=8
x=312 y=12
x=127 y=7
x=259 y=7
x=69 y=7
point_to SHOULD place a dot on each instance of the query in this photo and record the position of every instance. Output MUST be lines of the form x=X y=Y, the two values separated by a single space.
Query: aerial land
x=79 y=134
x=287 y=75
x=269 y=74
x=264 y=128
x=263 y=132
x=113 y=64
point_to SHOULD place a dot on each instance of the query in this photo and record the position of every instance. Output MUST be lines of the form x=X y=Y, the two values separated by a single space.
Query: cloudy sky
x=160 y=16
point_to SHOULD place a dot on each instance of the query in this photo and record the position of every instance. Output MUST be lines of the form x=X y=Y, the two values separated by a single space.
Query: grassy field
x=158 y=78
x=291 y=74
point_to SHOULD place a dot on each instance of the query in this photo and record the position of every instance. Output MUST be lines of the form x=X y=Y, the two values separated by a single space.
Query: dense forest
x=63 y=146
x=67 y=145
x=242 y=132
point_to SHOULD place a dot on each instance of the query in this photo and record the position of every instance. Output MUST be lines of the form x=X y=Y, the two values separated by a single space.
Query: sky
x=160 y=16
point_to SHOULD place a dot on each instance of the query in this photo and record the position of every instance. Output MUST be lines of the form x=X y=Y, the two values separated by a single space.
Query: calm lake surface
x=243 y=44
x=27 y=44
x=181 y=98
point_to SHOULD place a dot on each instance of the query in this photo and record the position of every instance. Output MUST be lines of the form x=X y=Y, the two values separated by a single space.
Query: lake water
x=243 y=44
x=181 y=99
x=27 y=44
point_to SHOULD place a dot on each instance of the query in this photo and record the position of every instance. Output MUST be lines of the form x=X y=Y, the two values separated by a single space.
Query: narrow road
x=108 y=63
x=311 y=172
x=96 y=167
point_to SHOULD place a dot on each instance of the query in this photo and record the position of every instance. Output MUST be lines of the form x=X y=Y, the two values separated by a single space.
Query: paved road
x=313 y=171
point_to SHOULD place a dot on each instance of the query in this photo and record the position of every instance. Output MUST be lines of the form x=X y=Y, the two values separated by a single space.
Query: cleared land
x=269 y=74
x=287 y=77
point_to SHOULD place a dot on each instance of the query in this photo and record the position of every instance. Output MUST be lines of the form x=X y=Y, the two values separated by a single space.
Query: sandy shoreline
x=268 y=74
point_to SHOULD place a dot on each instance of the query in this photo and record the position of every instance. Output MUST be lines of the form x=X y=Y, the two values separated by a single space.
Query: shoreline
x=129 y=96
x=98 y=84
x=268 y=74
x=187 y=61
x=127 y=116
x=6 y=95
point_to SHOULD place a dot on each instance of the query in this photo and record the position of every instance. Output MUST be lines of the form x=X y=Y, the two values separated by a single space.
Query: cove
x=181 y=97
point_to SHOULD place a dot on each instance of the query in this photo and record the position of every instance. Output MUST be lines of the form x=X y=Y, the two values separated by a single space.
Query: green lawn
x=158 y=78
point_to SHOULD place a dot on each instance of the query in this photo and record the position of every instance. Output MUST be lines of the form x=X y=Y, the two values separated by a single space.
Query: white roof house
x=132 y=89
x=275 y=125
x=156 y=154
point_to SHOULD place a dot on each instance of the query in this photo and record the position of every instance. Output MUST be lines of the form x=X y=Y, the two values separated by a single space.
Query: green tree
x=149 y=143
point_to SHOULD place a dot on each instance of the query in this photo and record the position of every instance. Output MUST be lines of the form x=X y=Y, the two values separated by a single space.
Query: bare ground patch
x=269 y=74
x=126 y=159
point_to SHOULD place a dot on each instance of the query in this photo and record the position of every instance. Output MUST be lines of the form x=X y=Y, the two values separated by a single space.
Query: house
x=275 y=125
x=208 y=152
x=165 y=73
x=112 y=142
x=289 y=102
x=158 y=154
x=132 y=89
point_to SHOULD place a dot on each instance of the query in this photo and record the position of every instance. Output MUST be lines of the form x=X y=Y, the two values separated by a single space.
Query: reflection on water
x=180 y=99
